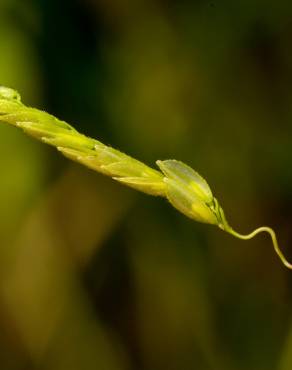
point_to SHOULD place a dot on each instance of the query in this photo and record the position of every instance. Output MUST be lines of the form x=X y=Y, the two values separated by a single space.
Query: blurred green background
x=96 y=276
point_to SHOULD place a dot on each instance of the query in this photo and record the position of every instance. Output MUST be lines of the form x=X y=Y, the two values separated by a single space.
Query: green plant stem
x=268 y=230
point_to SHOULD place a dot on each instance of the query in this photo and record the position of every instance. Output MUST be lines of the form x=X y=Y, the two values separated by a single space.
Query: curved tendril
x=273 y=237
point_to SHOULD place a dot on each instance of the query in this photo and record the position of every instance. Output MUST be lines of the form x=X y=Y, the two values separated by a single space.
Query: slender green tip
x=271 y=232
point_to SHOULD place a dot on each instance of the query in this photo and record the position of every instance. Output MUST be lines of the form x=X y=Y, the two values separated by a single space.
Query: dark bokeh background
x=96 y=276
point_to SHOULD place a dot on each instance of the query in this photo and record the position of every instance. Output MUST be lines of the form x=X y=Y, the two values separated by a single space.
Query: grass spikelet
x=185 y=189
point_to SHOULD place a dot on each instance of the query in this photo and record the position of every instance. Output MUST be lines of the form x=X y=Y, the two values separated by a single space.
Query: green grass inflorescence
x=185 y=189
